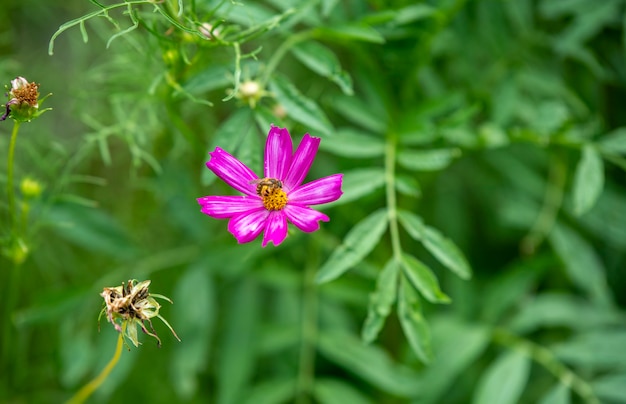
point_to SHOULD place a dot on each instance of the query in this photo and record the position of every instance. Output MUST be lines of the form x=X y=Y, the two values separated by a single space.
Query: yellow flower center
x=274 y=199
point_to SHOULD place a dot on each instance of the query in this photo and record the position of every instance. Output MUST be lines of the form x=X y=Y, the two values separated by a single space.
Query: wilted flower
x=133 y=305
x=23 y=104
x=270 y=201
x=208 y=31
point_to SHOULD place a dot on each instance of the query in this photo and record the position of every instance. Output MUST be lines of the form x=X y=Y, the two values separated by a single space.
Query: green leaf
x=589 y=180
x=582 y=263
x=92 y=229
x=413 y=13
x=442 y=248
x=559 y=394
x=354 y=144
x=359 y=242
x=427 y=160
x=273 y=391
x=334 y=391
x=561 y=310
x=228 y=137
x=456 y=346
x=381 y=301
x=423 y=279
x=300 y=108
x=358 y=183
x=611 y=387
x=368 y=362
x=196 y=314
x=413 y=323
x=238 y=346
x=504 y=381
x=598 y=349
x=408 y=186
x=613 y=142
x=360 y=113
x=352 y=32
x=323 y=61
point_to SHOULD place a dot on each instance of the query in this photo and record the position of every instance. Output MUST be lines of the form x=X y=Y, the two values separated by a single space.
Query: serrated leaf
x=353 y=144
x=334 y=391
x=358 y=183
x=423 y=279
x=441 y=247
x=582 y=263
x=228 y=137
x=381 y=301
x=504 y=381
x=427 y=160
x=323 y=61
x=353 y=32
x=196 y=314
x=613 y=142
x=368 y=362
x=300 y=108
x=588 y=180
x=412 y=321
x=359 y=242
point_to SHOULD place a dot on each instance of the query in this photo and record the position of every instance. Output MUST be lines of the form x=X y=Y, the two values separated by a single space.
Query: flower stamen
x=274 y=199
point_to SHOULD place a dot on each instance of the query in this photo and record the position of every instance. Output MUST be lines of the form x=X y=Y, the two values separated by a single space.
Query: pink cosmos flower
x=269 y=202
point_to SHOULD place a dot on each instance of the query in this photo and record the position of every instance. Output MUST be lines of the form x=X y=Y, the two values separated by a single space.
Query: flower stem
x=552 y=202
x=10 y=190
x=88 y=389
x=280 y=53
x=548 y=360
x=306 y=370
x=390 y=190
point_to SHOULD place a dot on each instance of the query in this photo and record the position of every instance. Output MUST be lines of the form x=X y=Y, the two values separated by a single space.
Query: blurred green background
x=476 y=136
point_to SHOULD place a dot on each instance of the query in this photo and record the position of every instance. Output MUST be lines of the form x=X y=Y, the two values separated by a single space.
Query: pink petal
x=232 y=171
x=323 y=190
x=278 y=153
x=247 y=226
x=221 y=207
x=301 y=163
x=304 y=218
x=276 y=228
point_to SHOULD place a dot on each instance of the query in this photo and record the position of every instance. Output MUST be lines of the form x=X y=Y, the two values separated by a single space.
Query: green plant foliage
x=477 y=253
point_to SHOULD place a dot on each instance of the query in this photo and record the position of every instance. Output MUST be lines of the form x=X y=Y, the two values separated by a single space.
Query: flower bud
x=30 y=188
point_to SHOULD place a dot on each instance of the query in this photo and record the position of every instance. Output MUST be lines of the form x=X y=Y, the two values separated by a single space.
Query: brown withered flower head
x=131 y=305
x=23 y=104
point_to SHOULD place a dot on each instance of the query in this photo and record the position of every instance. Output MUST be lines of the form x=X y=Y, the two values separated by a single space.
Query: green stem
x=390 y=190
x=306 y=371
x=88 y=389
x=553 y=199
x=10 y=190
x=548 y=360
x=278 y=55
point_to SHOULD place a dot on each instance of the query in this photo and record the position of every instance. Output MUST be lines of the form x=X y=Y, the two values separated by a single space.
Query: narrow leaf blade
x=359 y=242
x=423 y=279
x=588 y=180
